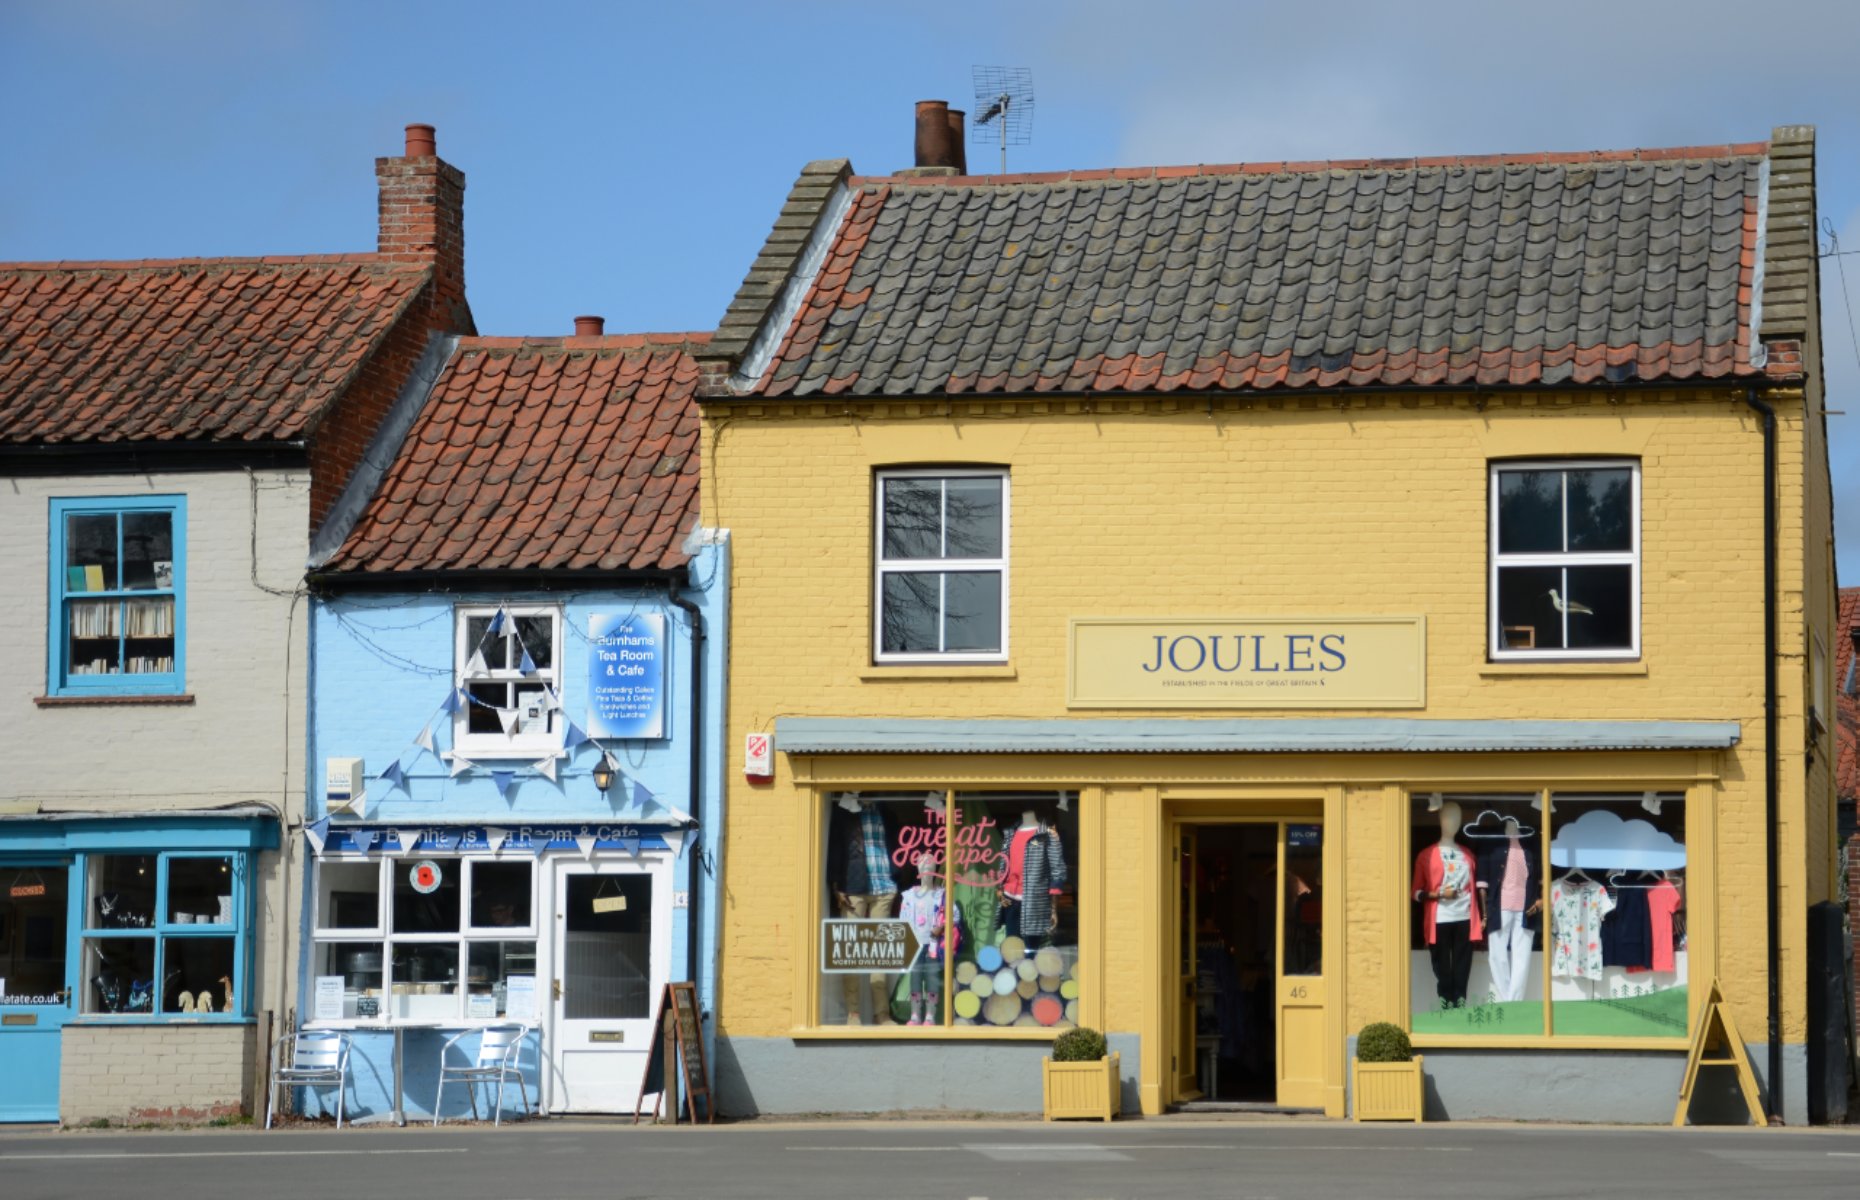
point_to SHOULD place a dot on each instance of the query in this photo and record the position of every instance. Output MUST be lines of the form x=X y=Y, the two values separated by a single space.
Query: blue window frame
x=166 y=935
x=118 y=611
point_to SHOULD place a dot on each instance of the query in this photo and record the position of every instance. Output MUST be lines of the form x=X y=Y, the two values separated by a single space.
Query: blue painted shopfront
x=120 y=921
x=477 y=873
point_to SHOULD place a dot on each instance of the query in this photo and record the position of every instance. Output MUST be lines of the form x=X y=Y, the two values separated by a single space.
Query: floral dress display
x=1577 y=907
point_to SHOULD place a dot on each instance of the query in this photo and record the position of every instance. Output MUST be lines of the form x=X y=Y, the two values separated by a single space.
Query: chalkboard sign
x=677 y=1043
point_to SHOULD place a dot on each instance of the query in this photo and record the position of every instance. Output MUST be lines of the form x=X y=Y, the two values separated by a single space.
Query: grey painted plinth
x=781 y=1075
x=1628 y=1087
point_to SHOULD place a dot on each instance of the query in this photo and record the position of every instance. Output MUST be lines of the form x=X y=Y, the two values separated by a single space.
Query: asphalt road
x=905 y=1160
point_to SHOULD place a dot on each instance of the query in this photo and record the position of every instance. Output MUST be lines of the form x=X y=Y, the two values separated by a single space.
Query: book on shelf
x=93 y=578
x=95 y=666
x=151 y=618
x=150 y=664
x=74 y=580
x=96 y=619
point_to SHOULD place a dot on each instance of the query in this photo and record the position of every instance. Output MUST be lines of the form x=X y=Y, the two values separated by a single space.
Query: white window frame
x=386 y=937
x=477 y=746
x=883 y=566
x=1494 y=560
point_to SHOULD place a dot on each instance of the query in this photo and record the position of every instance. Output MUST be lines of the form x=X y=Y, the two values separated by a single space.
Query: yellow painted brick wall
x=1307 y=508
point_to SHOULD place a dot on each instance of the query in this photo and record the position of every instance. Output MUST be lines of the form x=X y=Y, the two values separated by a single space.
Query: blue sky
x=628 y=159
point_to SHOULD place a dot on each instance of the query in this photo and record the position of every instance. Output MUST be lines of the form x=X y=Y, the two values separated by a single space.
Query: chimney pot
x=590 y=326
x=934 y=147
x=958 y=141
x=420 y=143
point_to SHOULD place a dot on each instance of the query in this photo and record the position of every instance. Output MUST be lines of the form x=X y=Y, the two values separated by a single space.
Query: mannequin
x=1036 y=872
x=922 y=909
x=1509 y=901
x=1444 y=882
x=859 y=871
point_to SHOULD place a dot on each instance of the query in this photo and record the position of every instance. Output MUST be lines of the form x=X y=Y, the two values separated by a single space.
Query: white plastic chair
x=500 y=1047
x=318 y=1056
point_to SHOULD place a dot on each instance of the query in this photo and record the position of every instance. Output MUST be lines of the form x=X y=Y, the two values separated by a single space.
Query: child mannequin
x=923 y=909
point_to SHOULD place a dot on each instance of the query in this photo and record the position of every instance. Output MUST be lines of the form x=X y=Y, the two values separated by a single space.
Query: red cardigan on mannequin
x=1429 y=873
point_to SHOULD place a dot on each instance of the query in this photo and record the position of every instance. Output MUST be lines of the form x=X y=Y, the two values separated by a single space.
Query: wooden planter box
x=1081 y=1089
x=1388 y=1091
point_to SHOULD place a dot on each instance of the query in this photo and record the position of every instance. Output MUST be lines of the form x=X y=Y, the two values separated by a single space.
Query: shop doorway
x=610 y=950
x=1249 y=965
x=37 y=990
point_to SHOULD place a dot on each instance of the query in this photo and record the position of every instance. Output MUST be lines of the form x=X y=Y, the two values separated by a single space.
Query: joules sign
x=1247 y=662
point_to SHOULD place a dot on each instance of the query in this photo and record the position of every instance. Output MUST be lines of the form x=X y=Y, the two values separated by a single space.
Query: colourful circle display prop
x=965 y=973
x=1047 y=1010
x=1069 y=989
x=1028 y=989
x=1026 y=970
x=425 y=877
x=968 y=1004
x=1006 y=981
x=982 y=985
x=988 y=959
x=1050 y=962
x=1013 y=949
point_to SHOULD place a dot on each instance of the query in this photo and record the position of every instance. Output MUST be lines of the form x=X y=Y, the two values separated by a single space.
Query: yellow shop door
x=1249 y=1017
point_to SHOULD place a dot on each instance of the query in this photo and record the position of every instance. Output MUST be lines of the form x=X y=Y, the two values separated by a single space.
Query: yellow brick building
x=1134 y=569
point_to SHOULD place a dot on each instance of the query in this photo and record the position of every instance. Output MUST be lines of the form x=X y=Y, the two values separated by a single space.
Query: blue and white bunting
x=455 y=697
x=497 y=623
x=546 y=766
x=317 y=832
x=503 y=779
x=409 y=840
x=526 y=664
x=574 y=738
x=425 y=740
x=460 y=765
x=494 y=837
x=393 y=776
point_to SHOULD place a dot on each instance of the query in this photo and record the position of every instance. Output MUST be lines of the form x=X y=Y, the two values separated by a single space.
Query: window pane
x=913 y=516
x=1013 y=877
x=199 y=975
x=1527 y=618
x=32 y=946
x=433 y=910
x=90 y=553
x=535 y=635
x=96 y=626
x=122 y=891
x=1478 y=864
x=149 y=626
x=972 y=619
x=348 y=895
x=1618 y=963
x=1304 y=900
x=972 y=517
x=494 y=649
x=606 y=969
x=908 y=619
x=500 y=894
x=148 y=550
x=425 y=981
x=874 y=843
x=200 y=891
x=488 y=968
x=359 y=964
x=1530 y=512
x=1608 y=594
x=1601 y=510
x=481 y=707
x=122 y=975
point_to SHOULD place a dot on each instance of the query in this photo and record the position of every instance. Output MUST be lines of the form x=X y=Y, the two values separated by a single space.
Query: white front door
x=611 y=947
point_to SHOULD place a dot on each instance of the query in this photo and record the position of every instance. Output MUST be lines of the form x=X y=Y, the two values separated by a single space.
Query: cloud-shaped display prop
x=1599 y=840
x=1489 y=824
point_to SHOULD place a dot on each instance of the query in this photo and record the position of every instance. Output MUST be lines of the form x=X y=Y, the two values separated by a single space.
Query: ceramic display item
x=205 y=1003
x=141 y=995
x=186 y=1002
x=226 y=993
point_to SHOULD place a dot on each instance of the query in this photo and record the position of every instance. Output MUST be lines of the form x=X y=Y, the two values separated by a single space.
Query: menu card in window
x=520 y=997
x=328 y=1005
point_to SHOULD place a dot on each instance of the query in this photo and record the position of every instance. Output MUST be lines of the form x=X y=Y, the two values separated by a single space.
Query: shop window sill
x=1423 y=1041
x=907 y=1033
x=110 y=701
x=887 y=674
x=165 y=1019
x=1509 y=668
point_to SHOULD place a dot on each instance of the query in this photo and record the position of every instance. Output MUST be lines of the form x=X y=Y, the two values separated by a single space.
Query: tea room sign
x=1247 y=662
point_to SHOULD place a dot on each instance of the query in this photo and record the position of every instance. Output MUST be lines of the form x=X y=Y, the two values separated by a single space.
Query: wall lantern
x=604 y=773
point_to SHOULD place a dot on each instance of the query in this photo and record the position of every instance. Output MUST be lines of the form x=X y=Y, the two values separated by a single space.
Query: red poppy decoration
x=425 y=877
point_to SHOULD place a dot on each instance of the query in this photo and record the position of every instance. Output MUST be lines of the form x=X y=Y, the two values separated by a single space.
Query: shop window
x=507 y=660
x=1565 y=560
x=164 y=935
x=947 y=909
x=941 y=586
x=118 y=581
x=454 y=938
x=1574 y=899
x=33 y=919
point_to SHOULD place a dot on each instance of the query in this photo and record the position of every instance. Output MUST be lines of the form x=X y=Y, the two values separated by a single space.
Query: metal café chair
x=318 y=1056
x=500 y=1047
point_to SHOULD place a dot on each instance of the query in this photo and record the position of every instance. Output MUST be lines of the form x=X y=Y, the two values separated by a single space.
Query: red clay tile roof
x=1846 y=704
x=571 y=453
x=198 y=350
x=1605 y=267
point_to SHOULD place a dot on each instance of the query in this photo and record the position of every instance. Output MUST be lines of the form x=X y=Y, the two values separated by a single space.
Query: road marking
x=1842 y=1154
x=1058 y=1146
x=221 y=1154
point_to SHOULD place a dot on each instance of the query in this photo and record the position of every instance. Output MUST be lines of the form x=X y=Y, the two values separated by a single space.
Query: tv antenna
x=1004 y=107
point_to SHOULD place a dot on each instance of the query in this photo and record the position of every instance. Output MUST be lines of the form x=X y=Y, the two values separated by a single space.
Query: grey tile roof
x=1606 y=267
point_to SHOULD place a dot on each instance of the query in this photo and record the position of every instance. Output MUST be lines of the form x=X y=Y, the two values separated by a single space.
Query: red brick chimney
x=423 y=221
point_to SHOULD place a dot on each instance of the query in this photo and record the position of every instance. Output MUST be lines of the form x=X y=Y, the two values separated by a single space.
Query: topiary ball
x=1382 y=1042
x=1079 y=1045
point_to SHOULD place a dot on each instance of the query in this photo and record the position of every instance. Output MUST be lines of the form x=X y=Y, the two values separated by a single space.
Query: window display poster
x=328 y=1006
x=626 y=675
x=520 y=997
x=481 y=1006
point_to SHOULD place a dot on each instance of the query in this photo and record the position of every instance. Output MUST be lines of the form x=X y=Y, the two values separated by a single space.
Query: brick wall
x=164 y=1073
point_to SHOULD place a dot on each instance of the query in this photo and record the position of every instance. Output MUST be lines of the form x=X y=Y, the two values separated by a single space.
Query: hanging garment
x=1509 y=955
x=1043 y=876
x=1577 y=907
x=1627 y=932
x=1435 y=868
x=858 y=852
x=1506 y=888
x=1662 y=902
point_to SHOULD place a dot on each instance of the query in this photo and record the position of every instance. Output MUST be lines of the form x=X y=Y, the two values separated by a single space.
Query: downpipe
x=1772 y=904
